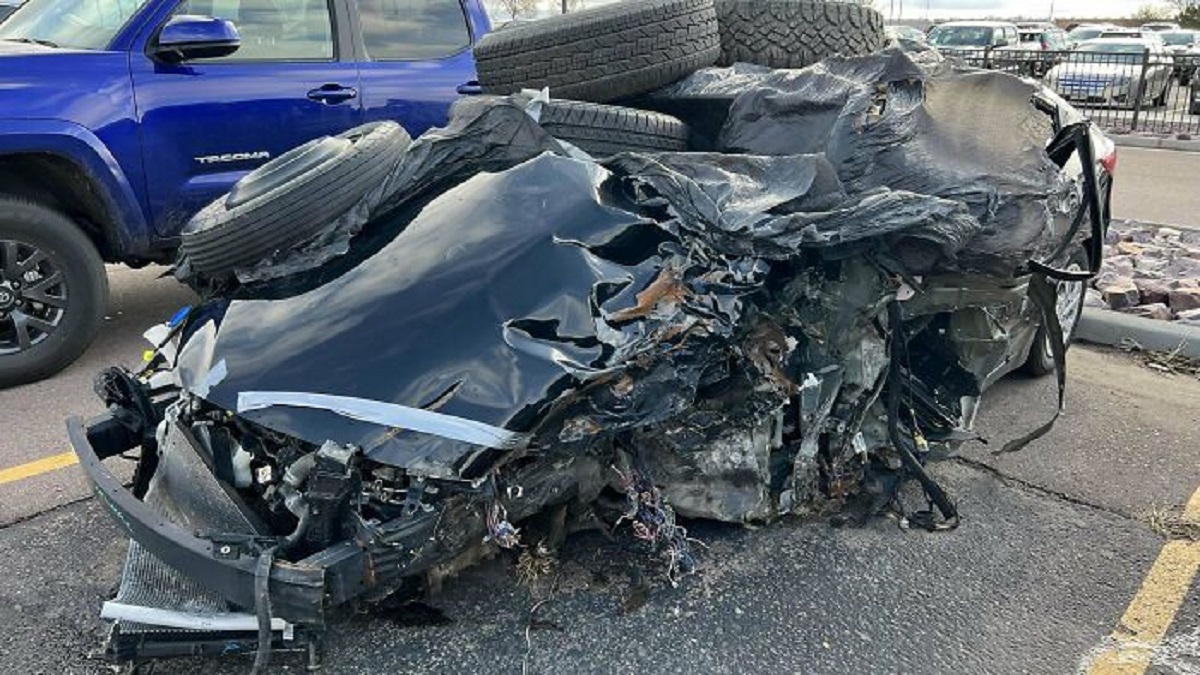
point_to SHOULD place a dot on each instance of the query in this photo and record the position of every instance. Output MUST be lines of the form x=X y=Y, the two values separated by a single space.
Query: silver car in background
x=1184 y=48
x=1117 y=72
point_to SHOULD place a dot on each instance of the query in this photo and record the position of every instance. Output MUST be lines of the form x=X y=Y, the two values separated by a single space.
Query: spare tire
x=606 y=129
x=795 y=33
x=291 y=198
x=602 y=54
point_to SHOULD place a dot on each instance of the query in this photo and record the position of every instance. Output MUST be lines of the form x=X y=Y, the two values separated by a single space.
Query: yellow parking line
x=43 y=465
x=1152 y=610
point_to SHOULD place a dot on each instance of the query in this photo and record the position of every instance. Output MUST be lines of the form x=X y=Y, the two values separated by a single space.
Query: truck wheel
x=53 y=292
x=795 y=33
x=291 y=198
x=605 y=129
x=602 y=54
x=1070 y=305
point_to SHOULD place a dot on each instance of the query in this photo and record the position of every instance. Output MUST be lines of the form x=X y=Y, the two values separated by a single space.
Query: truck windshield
x=75 y=24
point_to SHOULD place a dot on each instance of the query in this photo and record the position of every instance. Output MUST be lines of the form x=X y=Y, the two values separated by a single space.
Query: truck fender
x=127 y=229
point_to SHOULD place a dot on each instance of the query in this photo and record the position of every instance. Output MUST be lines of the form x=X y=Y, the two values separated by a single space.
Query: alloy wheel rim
x=33 y=297
x=1066 y=307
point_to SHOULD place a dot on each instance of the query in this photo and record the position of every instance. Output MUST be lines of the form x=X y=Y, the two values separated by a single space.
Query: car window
x=272 y=30
x=412 y=29
x=77 y=24
x=961 y=36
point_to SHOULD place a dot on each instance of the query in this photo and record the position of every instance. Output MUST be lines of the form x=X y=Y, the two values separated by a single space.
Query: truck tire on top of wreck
x=602 y=54
x=291 y=198
x=795 y=33
x=606 y=129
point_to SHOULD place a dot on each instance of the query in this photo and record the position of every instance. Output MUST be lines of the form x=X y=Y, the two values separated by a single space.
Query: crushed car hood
x=430 y=318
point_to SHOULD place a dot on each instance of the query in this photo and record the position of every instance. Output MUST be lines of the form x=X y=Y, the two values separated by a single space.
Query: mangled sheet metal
x=787 y=327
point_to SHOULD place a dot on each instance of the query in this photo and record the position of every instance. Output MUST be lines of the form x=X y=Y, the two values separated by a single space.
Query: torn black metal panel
x=798 y=205
x=433 y=311
x=900 y=123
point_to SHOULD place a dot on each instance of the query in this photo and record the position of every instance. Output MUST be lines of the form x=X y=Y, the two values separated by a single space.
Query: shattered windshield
x=72 y=24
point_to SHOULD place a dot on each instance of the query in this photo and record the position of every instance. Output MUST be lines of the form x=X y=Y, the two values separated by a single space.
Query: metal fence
x=1121 y=92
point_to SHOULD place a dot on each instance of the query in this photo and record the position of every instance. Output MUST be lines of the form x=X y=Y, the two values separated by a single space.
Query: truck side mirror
x=188 y=37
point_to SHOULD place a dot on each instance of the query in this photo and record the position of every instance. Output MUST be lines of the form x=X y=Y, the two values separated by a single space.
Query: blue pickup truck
x=121 y=119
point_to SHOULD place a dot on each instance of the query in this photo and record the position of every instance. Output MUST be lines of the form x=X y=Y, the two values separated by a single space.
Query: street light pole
x=1052 y=11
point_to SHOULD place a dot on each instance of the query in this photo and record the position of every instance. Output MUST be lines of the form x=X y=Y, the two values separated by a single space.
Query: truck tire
x=291 y=198
x=605 y=129
x=602 y=54
x=795 y=33
x=53 y=291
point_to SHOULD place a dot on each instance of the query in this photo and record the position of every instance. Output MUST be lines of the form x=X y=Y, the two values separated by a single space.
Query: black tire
x=795 y=33
x=605 y=129
x=1041 y=360
x=70 y=272
x=602 y=54
x=291 y=198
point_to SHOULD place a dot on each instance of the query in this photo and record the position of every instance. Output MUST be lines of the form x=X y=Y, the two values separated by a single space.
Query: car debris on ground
x=513 y=335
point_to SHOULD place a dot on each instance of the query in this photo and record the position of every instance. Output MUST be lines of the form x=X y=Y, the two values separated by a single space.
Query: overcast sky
x=916 y=9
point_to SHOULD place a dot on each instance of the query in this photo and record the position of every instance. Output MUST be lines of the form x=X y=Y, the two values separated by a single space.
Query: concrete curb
x=1106 y=327
x=1152 y=143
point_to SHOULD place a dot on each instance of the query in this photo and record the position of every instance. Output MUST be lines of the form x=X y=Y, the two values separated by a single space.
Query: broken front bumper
x=227 y=564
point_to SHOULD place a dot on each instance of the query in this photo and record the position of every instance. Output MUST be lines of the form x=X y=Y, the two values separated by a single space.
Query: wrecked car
x=508 y=339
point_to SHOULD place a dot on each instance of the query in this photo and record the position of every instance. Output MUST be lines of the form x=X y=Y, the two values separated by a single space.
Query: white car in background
x=1184 y=47
x=8 y=7
x=977 y=35
x=1108 y=71
x=1159 y=26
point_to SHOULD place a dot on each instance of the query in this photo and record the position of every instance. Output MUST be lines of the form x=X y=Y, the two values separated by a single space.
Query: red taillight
x=1109 y=162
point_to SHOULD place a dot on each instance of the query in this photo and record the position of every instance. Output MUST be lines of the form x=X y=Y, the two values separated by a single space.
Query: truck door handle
x=471 y=88
x=331 y=94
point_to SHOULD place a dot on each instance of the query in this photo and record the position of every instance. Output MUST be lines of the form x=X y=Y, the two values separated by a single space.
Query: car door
x=206 y=123
x=415 y=59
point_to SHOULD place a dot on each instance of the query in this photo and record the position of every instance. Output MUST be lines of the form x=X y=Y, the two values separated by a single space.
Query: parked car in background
x=8 y=7
x=1184 y=48
x=968 y=35
x=1130 y=33
x=1159 y=27
x=1049 y=39
x=120 y=120
x=1087 y=31
x=906 y=33
x=1194 y=103
x=1109 y=71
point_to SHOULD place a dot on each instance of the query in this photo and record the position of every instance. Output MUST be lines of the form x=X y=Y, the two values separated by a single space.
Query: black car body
x=788 y=325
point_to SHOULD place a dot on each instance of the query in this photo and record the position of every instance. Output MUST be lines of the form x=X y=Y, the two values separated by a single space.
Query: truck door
x=206 y=123
x=415 y=60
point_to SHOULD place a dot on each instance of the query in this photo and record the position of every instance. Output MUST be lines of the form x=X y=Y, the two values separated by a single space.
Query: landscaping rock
x=1153 y=290
x=1093 y=298
x=1121 y=294
x=1183 y=299
x=1155 y=310
x=1129 y=248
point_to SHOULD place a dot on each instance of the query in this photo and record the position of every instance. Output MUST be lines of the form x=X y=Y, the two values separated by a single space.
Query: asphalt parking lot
x=1056 y=552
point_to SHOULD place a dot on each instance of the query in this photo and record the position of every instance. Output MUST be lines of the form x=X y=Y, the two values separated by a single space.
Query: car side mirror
x=188 y=37
x=1002 y=42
